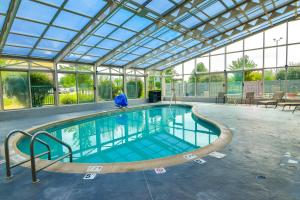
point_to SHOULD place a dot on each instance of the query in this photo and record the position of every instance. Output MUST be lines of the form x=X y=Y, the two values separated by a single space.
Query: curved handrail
x=32 y=157
x=6 y=148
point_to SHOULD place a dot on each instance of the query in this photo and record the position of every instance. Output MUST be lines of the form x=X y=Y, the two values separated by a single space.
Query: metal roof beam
x=10 y=16
x=234 y=31
x=109 y=8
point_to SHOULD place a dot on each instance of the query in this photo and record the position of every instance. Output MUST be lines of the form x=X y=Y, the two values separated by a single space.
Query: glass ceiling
x=132 y=33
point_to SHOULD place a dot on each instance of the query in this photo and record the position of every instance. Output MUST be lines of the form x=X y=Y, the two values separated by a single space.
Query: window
x=202 y=85
x=67 y=88
x=15 y=90
x=254 y=42
x=117 y=85
x=293 y=82
x=85 y=88
x=274 y=80
x=216 y=84
x=293 y=54
x=275 y=57
x=42 y=92
x=104 y=87
x=294 y=31
x=253 y=82
x=234 y=61
x=202 y=64
x=237 y=46
x=131 y=87
x=189 y=67
x=253 y=59
x=189 y=84
x=235 y=84
x=276 y=36
x=217 y=63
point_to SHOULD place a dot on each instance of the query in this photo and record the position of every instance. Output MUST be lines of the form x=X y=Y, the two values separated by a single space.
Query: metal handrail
x=32 y=157
x=7 y=156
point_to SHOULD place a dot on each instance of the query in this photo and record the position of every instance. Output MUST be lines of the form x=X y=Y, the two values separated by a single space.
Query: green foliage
x=240 y=62
x=68 y=98
x=293 y=73
x=16 y=85
x=139 y=84
x=41 y=85
x=199 y=78
x=104 y=89
x=252 y=76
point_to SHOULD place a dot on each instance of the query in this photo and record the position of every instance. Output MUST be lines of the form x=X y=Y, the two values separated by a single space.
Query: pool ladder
x=32 y=156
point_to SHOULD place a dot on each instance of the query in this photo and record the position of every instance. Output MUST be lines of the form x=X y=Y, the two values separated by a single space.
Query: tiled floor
x=261 y=139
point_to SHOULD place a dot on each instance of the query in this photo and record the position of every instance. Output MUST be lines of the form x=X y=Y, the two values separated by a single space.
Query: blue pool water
x=136 y=135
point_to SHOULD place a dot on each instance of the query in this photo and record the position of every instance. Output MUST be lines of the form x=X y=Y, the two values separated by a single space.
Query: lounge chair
x=249 y=97
x=221 y=95
x=295 y=108
x=292 y=103
x=277 y=97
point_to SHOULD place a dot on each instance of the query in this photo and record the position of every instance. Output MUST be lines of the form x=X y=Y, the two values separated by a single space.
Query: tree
x=41 y=85
x=199 y=78
x=17 y=86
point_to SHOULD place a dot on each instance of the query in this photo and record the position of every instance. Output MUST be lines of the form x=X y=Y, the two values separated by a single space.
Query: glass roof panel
x=2 y=19
x=60 y=34
x=72 y=57
x=81 y=49
x=27 y=28
x=53 y=2
x=137 y=23
x=97 y=52
x=169 y=35
x=4 y=5
x=43 y=54
x=120 y=17
x=70 y=20
x=9 y=50
x=92 y=40
x=88 y=59
x=154 y=43
x=130 y=57
x=109 y=44
x=51 y=45
x=141 y=51
x=89 y=8
x=160 y=6
x=32 y=11
x=19 y=40
x=105 y=29
x=121 y=34
x=190 y=22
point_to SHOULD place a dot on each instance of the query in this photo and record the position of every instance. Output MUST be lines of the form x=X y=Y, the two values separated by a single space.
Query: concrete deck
x=261 y=139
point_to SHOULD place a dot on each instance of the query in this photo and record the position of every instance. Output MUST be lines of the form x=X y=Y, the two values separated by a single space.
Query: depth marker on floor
x=190 y=156
x=94 y=169
x=217 y=154
x=160 y=170
x=89 y=176
x=200 y=161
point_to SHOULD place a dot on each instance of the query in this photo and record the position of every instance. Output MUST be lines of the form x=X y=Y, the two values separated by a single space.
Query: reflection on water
x=132 y=136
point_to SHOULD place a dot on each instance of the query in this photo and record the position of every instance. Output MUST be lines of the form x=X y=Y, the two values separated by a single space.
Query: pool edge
x=224 y=139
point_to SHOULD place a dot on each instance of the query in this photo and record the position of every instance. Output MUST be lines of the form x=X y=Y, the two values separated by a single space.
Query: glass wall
x=255 y=64
x=26 y=83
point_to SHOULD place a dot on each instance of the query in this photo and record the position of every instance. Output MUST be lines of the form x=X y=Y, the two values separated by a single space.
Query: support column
x=29 y=85
x=1 y=93
x=55 y=77
x=95 y=84
x=124 y=82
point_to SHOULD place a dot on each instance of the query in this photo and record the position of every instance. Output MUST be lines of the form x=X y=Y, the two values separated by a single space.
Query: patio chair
x=277 y=97
x=290 y=104
x=249 y=97
x=221 y=95
x=295 y=108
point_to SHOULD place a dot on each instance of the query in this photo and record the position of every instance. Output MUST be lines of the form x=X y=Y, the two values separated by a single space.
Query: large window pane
x=202 y=82
x=202 y=64
x=189 y=67
x=293 y=82
x=104 y=87
x=117 y=85
x=274 y=80
x=235 y=84
x=15 y=90
x=254 y=42
x=154 y=83
x=293 y=54
x=237 y=46
x=276 y=36
x=178 y=86
x=85 y=88
x=217 y=63
x=189 y=85
x=67 y=88
x=294 y=31
x=131 y=87
x=216 y=84
x=275 y=57
x=140 y=87
x=253 y=82
x=42 y=92
x=234 y=61
x=254 y=59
